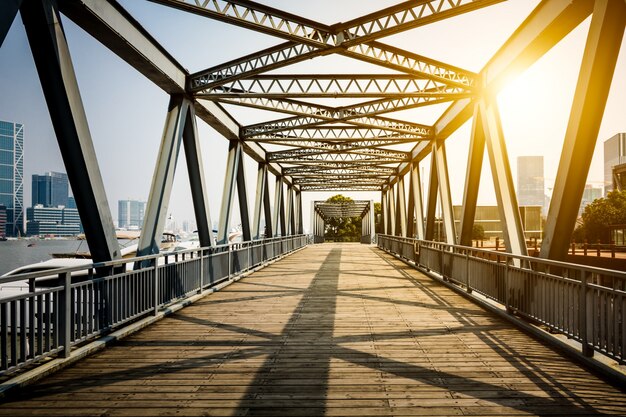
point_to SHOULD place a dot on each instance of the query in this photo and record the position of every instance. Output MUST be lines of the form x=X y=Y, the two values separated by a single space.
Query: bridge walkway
x=335 y=329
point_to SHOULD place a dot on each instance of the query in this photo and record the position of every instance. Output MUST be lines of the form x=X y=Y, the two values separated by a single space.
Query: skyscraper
x=12 y=175
x=50 y=189
x=615 y=163
x=130 y=213
x=530 y=181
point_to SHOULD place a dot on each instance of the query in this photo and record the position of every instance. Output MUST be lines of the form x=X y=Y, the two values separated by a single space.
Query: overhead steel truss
x=322 y=211
x=365 y=145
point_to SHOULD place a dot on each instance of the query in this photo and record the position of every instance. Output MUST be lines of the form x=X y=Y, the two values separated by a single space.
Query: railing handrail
x=125 y=261
x=550 y=262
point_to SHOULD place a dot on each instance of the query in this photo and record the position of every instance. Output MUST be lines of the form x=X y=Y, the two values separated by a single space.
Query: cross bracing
x=332 y=85
x=322 y=143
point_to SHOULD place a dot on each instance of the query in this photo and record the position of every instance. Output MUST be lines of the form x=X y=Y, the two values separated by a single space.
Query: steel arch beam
x=195 y=169
x=52 y=58
x=475 y=159
x=502 y=179
x=592 y=89
x=163 y=177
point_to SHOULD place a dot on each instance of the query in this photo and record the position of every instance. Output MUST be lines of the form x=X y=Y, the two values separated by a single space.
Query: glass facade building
x=12 y=175
x=130 y=214
x=50 y=189
x=3 y=221
x=58 y=221
x=530 y=181
x=615 y=163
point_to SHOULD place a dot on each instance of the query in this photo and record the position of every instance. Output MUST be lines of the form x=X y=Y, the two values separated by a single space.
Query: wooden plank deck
x=335 y=329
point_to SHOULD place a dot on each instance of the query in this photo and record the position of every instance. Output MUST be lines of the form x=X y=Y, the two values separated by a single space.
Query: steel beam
x=290 y=214
x=401 y=217
x=502 y=180
x=56 y=73
x=228 y=194
x=594 y=82
x=475 y=159
x=278 y=219
x=383 y=212
x=242 y=195
x=433 y=190
x=445 y=198
x=416 y=207
x=163 y=177
x=195 y=169
x=391 y=204
x=549 y=22
x=259 y=200
x=299 y=218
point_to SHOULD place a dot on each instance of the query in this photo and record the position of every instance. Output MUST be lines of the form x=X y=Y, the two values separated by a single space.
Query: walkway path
x=335 y=329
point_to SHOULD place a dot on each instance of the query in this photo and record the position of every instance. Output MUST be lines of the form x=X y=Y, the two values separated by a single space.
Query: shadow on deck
x=335 y=329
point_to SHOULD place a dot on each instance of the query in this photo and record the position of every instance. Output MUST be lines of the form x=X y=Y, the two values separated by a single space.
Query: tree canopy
x=599 y=215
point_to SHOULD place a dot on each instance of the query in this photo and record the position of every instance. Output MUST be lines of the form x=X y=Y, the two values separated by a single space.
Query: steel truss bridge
x=316 y=146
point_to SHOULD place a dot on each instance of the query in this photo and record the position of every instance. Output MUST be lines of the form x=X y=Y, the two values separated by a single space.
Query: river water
x=16 y=253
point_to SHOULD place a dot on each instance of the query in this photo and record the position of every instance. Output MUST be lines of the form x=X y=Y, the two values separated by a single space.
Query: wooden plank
x=336 y=329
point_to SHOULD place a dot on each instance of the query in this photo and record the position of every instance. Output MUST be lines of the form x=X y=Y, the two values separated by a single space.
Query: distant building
x=530 y=181
x=3 y=222
x=12 y=175
x=58 y=221
x=489 y=218
x=50 y=189
x=130 y=214
x=615 y=163
x=591 y=193
x=71 y=202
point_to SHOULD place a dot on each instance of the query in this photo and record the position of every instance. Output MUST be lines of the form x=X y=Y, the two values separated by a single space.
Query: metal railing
x=61 y=308
x=584 y=303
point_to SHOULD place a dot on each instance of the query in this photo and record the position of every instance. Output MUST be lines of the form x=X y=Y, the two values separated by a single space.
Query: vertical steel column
x=439 y=153
x=278 y=219
x=372 y=221
x=228 y=194
x=383 y=212
x=594 y=82
x=299 y=218
x=472 y=179
x=416 y=207
x=58 y=81
x=259 y=199
x=195 y=169
x=431 y=208
x=163 y=177
x=391 y=200
x=267 y=209
x=502 y=180
x=291 y=227
x=242 y=193
x=401 y=208
x=8 y=11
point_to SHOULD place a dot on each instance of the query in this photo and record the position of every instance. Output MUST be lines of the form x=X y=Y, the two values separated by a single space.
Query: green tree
x=478 y=232
x=346 y=229
x=599 y=215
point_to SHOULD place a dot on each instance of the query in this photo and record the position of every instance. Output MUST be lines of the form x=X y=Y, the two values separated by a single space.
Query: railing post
x=201 y=280
x=65 y=309
x=229 y=260
x=443 y=273
x=156 y=286
x=584 y=315
x=468 y=286
x=507 y=286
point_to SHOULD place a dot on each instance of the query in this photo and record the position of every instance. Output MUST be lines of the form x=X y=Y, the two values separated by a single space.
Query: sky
x=126 y=111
